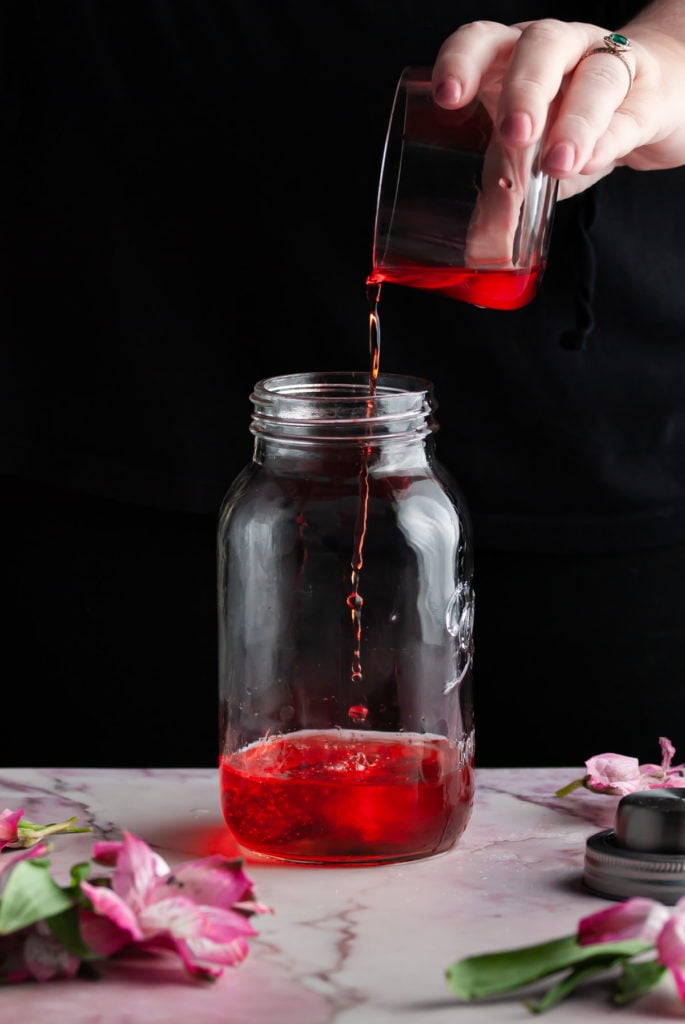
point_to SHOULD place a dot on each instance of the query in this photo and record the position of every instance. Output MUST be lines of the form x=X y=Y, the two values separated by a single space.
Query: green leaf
x=576 y=977
x=494 y=973
x=29 y=896
x=65 y=927
x=637 y=979
x=78 y=873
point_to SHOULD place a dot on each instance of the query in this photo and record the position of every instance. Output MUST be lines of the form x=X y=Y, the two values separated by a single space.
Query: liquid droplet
x=358 y=712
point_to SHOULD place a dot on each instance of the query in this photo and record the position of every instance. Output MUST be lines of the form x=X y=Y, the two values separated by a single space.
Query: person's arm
x=594 y=125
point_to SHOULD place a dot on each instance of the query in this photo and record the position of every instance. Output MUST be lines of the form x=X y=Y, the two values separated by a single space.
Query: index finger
x=475 y=54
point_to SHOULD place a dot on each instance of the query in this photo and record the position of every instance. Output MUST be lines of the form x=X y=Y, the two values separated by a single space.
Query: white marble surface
x=343 y=945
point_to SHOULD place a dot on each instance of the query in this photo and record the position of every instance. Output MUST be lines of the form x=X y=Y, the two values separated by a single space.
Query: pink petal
x=192 y=965
x=636 y=918
x=250 y=907
x=674 y=781
x=651 y=777
x=667 y=752
x=213 y=881
x=223 y=926
x=184 y=919
x=203 y=953
x=207 y=959
x=137 y=871
x=39 y=850
x=613 y=767
x=176 y=916
x=652 y=770
x=670 y=948
x=110 y=905
x=101 y=934
x=613 y=773
x=8 y=825
x=106 y=852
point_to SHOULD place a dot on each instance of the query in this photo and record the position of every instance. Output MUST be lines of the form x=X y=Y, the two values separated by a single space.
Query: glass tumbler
x=459 y=212
x=345 y=619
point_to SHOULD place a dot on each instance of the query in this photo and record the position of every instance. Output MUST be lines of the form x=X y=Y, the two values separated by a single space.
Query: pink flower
x=199 y=909
x=618 y=775
x=16 y=831
x=642 y=918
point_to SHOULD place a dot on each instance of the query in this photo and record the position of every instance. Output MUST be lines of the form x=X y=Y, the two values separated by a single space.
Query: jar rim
x=339 y=386
x=340 y=405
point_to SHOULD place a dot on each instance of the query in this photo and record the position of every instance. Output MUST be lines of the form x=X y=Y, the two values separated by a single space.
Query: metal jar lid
x=645 y=854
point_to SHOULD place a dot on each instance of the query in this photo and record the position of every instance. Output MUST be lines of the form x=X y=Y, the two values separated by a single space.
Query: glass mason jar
x=345 y=606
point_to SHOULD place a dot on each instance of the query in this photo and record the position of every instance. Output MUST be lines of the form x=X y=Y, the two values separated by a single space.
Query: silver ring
x=616 y=45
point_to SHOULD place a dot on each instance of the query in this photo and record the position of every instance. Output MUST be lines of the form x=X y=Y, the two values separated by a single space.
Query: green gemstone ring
x=615 y=41
x=617 y=45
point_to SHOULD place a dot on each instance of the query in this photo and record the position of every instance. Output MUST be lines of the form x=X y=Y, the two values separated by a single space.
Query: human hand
x=596 y=119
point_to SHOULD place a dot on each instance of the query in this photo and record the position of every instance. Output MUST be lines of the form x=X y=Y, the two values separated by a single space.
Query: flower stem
x=565 y=790
x=28 y=833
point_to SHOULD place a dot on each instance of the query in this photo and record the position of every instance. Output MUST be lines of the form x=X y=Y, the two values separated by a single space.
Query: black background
x=188 y=197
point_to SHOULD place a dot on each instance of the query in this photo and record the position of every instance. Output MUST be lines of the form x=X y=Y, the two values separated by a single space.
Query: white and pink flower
x=618 y=775
x=199 y=909
x=646 y=919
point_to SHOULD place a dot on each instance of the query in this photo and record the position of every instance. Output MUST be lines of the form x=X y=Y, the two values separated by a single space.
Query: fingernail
x=516 y=127
x=448 y=91
x=560 y=157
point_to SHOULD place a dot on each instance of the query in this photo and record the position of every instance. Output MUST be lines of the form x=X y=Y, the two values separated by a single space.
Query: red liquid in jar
x=344 y=796
x=493 y=289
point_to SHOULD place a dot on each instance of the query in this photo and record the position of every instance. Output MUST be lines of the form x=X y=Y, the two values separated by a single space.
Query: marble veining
x=356 y=945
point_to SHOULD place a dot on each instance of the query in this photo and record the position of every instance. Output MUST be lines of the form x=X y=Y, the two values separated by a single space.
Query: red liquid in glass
x=492 y=289
x=347 y=797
